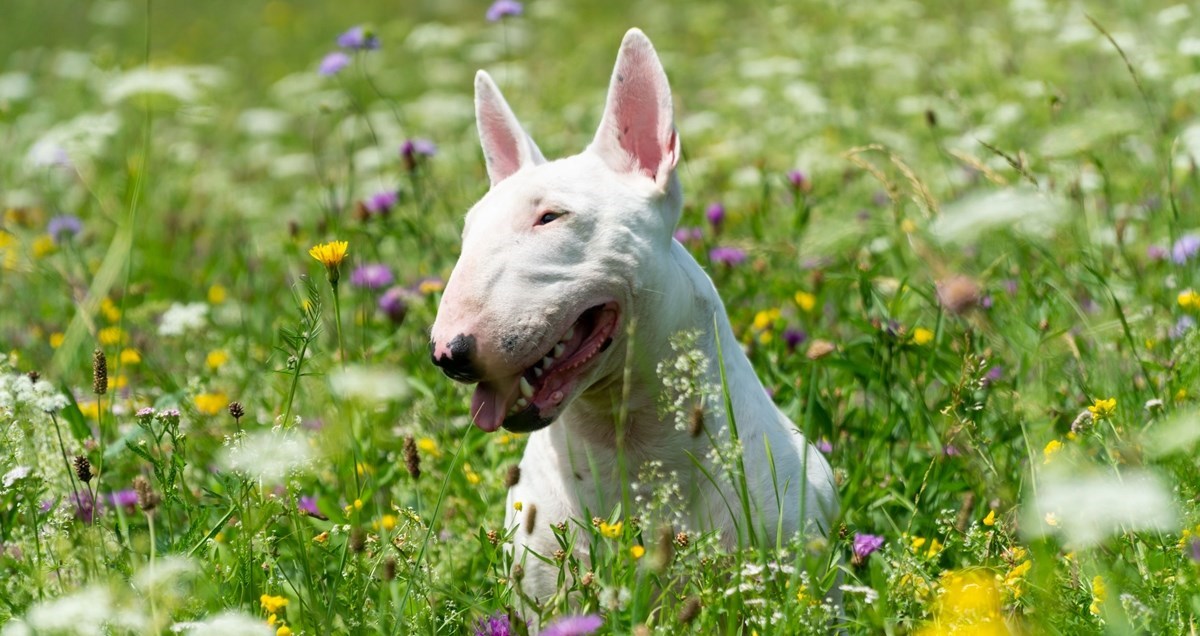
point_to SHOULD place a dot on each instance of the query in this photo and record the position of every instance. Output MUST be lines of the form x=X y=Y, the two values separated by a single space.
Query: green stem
x=337 y=318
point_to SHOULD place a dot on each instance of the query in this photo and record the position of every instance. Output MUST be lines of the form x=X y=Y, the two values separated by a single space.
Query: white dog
x=567 y=294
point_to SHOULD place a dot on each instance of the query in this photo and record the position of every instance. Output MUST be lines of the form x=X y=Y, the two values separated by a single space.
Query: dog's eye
x=548 y=217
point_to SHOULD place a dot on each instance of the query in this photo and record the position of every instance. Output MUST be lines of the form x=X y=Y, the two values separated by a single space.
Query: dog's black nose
x=460 y=363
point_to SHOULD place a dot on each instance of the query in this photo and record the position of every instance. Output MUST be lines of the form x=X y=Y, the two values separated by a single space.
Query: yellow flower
x=935 y=546
x=1101 y=409
x=907 y=226
x=473 y=477
x=211 y=403
x=637 y=552
x=765 y=337
x=387 y=523
x=111 y=335
x=990 y=519
x=1015 y=579
x=56 y=339
x=1052 y=448
x=272 y=604
x=43 y=245
x=358 y=504
x=518 y=506
x=272 y=619
x=922 y=336
x=1051 y=519
x=805 y=300
x=431 y=286
x=430 y=446
x=917 y=542
x=969 y=604
x=90 y=409
x=283 y=630
x=111 y=312
x=216 y=359
x=330 y=255
x=611 y=530
x=216 y=294
x=765 y=319
x=1099 y=593
x=1180 y=395
x=321 y=538
x=1189 y=299
x=130 y=356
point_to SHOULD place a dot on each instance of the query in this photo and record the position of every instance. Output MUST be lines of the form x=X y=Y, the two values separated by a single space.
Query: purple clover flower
x=1156 y=253
x=333 y=63
x=371 y=276
x=1185 y=248
x=865 y=544
x=727 y=256
x=498 y=624
x=394 y=304
x=574 y=625
x=824 y=446
x=381 y=202
x=504 y=8
x=308 y=504
x=64 y=227
x=799 y=181
x=794 y=338
x=126 y=498
x=993 y=374
x=715 y=215
x=688 y=234
x=358 y=39
x=412 y=150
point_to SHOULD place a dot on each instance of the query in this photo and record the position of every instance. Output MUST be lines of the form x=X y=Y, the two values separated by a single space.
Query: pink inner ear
x=500 y=149
x=637 y=132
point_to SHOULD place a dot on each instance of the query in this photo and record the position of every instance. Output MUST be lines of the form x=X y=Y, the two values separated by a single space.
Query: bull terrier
x=565 y=299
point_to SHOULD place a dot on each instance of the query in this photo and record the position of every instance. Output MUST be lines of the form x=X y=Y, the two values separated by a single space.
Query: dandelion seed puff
x=268 y=456
x=1088 y=509
x=369 y=384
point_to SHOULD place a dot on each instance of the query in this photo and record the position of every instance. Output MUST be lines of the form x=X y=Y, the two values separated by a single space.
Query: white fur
x=520 y=285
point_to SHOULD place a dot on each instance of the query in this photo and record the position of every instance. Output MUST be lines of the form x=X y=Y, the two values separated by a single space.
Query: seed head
x=389 y=569
x=696 y=424
x=147 y=498
x=236 y=410
x=512 y=476
x=412 y=461
x=682 y=540
x=34 y=376
x=958 y=294
x=358 y=540
x=493 y=537
x=99 y=373
x=518 y=572
x=83 y=468
x=690 y=610
x=530 y=518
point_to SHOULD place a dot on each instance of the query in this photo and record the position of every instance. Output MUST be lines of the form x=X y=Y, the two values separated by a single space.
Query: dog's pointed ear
x=637 y=133
x=506 y=146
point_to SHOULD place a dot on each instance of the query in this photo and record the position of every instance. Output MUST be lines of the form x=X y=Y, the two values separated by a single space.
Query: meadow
x=959 y=241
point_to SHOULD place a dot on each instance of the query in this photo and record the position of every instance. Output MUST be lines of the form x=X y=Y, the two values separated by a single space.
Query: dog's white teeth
x=570 y=334
x=521 y=403
x=526 y=388
x=559 y=349
x=537 y=372
x=547 y=361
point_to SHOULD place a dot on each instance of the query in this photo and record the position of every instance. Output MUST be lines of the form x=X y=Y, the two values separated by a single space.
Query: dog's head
x=556 y=254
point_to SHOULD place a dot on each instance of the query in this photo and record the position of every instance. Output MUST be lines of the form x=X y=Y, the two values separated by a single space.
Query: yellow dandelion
x=611 y=530
x=990 y=519
x=517 y=505
x=805 y=300
x=130 y=356
x=358 y=504
x=429 y=446
x=216 y=359
x=1189 y=299
x=1053 y=447
x=43 y=245
x=1101 y=409
x=1099 y=593
x=109 y=336
x=637 y=552
x=272 y=604
x=330 y=255
x=111 y=312
x=56 y=339
x=387 y=523
x=217 y=294
x=473 y=477
x=922 y=336
x=211 y=403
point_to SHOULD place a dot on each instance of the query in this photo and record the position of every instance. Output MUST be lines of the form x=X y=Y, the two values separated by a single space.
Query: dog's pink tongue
x=487 y=407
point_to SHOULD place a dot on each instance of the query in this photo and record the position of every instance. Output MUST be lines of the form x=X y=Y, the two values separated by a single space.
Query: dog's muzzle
x=459 y=364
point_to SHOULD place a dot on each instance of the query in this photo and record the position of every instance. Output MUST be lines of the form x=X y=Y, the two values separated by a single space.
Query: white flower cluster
x=686 y=382
x=18 y=392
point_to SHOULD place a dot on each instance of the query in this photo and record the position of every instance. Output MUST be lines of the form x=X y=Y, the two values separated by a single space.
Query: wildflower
x=765 y=319
x=863 y=545
x=308 y=505
x=1181 y=327
x=691 y=609
x=1185 y=248
x=83 y=468
x=870 y=595
x=431 y=285
x=168 y=417
x=371 y=276
x=333 y=63
x=1099 y=594
x=513 y=476
x=236 y=410
x=1052 y=448
x=393 y=304
x=794 y=338
x=110 y=336
x=129 y=356
x=689 y=234
x=922 y=336
x=610 y=530
x=217 y=294
x=413 y=150
x=429 y=446
x=715 y=215
x=958 y=294
x=147 y=498
x=211 y=403
x=64 y=227
x=727 y=256
x=517 y=506
x=805 y=300
x=412 y=461
x=1156 y=253
x=1194 y=552
x=330 y=255
x=56 y=339
x=504 y=8
x=358 y=39
x=216 y=359
x=907 y=226
x=573 y=625
x=180 y=318
x=272 y=604
x=819 y=349
x=473 y=477
x=283 y=630
x=1189 y=299
x=99 y=373
x=498 y=624
x=1101 y=409
x=990 y=519
x=381 y=203
x=637 y=552
x=1015 y=578
x=799 y=181
x=969 y=604
x=824 y=446
x=126 y=498
x=387 y=523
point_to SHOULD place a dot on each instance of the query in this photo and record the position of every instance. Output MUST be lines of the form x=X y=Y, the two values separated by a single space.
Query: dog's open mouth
x=532 y=398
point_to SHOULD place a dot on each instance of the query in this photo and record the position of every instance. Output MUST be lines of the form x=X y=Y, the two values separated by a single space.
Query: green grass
x=1039 y=152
